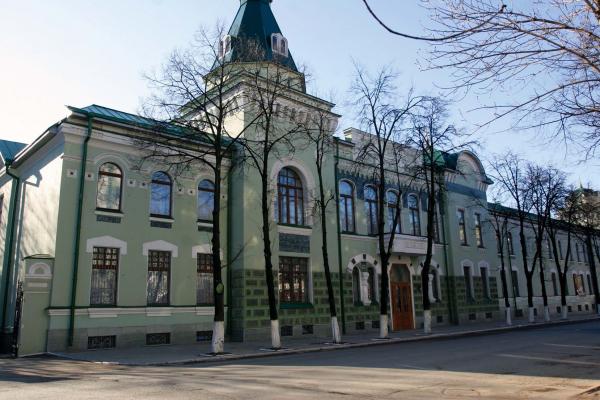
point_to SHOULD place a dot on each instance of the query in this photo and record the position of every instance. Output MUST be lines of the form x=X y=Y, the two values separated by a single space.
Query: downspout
x=448 y=288
x=84 y=152
x=229 y=244
x=339 y=235
x=7 y=263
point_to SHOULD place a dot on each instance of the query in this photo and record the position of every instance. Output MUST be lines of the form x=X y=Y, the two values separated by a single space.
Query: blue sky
x=79 y=52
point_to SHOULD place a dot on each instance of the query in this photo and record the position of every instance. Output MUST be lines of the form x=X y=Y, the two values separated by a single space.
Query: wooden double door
x=402 y=303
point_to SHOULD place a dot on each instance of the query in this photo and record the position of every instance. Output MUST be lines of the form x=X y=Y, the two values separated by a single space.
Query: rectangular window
x=560 y=252
x=485 y=282
x=478 y=231
x=293 y=280
x=105 y=269
x=590 y=287
x=462 y=231
x=204 y=284
x=584 y=249
x=577 y=251
x=159 y=276
x=468 y=283
x=554 y=284
x=101 y=342
x=578 y=284
x=436 y=228
x=515 y=283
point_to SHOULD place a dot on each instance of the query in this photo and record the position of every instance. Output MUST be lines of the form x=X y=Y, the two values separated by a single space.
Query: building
x=109 y=252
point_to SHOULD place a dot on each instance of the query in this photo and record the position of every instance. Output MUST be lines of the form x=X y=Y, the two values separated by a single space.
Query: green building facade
x=112 y=252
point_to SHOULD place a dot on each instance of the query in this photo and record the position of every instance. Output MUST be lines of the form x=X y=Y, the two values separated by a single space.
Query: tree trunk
x=273 y=315
x=529 y=279
x=335 y=328
x=543 y=285
x=507 y=312
x=218 y=337
x=563 y=294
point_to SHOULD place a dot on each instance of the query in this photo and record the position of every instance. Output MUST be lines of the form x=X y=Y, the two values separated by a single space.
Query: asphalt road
x=552 y=363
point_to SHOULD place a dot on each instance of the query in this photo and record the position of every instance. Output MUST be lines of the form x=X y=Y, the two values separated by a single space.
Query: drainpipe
x=229 y=244
x=84 y=152
x=448 y=288
x=339 y=235
x=7 y=263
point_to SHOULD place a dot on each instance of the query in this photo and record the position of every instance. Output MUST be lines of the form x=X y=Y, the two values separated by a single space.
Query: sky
x=82 y=52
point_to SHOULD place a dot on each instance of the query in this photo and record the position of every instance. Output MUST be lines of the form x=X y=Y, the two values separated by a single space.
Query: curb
x=436 y=336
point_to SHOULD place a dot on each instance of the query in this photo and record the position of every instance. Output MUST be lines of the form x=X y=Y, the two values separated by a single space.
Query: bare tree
x=587 y=221
x=565 y=212
x=382 y=149
x=498 y=221
x=548 y=48
x=192 y=102
x=319 y=134
x=433 y=138
x=509 y=171
x=546 y=185
x=273 y=135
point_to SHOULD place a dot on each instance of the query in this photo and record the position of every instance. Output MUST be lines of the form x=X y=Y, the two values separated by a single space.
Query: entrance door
x=402 y=313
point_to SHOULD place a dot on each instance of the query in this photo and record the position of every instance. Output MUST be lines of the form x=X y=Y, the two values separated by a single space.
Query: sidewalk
x=197 y=353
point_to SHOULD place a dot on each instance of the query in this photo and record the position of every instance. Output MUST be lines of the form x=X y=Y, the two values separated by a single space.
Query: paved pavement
x=560 y=362
x=198 y=353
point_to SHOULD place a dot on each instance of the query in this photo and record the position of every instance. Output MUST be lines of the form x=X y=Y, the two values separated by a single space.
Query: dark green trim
x=7 y=264
x=84 y=152
x=144 y=306
x=289 y=306
x=339 y=234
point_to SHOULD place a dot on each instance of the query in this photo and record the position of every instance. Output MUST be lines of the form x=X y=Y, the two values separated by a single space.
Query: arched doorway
x=401 y=298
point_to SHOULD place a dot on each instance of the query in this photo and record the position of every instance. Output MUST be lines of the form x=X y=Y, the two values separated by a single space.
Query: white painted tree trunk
x=218 y=337
x=335 y=330
x=563 y=312
x=508 y=315
x=427 y=322
x=275 y=335
x=546 y=313
x=383 y=326
x=531 y=315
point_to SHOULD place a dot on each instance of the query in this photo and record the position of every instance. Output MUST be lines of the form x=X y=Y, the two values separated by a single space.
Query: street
x=561 y=362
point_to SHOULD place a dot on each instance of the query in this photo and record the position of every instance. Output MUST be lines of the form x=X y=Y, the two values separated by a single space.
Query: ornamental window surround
x=279 y=44
x=161 y=193
x=346 y=205
x=110 y=187
x=206 y=197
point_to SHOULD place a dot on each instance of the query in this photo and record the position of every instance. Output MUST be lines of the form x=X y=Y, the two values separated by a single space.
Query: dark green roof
x=9 y=149
x=255 y=21
x=179 y=131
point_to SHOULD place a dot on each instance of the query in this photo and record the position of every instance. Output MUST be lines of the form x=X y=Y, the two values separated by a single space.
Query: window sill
x=109 y=213
x=205 y=224
x=161 y=219
x=294 y=229
x=289 y=306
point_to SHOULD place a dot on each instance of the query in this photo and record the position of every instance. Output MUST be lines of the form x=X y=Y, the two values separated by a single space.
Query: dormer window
x=279 y=44
x=225 y=46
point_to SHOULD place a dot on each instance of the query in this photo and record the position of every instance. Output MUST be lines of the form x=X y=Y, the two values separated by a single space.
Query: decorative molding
x=160 y=245
x=294 y=230
x=39 y=271
x=204 y=249
x=106 y=241
x=364 y=257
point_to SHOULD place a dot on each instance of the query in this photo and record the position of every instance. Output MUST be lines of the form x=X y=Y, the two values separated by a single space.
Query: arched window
x=356 y=286
x=371 y=209
x=206 y=198
x=290 y=198
x=393 y=208
x=347 y=207
x=160 y=195
x=414 y=217
x=110 y=185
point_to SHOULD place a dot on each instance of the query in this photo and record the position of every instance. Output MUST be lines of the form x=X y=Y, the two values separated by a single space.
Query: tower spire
x=255 y=21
